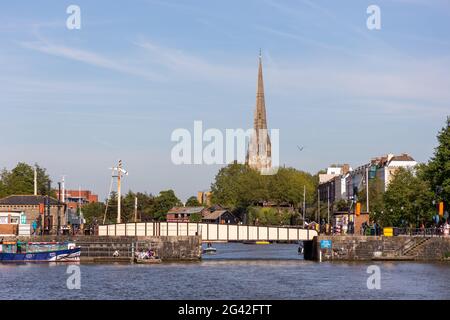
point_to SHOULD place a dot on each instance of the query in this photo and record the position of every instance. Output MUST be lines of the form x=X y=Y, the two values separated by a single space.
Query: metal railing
x=107 y=249
x=417 y=232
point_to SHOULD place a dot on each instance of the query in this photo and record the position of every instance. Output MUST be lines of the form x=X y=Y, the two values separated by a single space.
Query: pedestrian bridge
x=208 y=231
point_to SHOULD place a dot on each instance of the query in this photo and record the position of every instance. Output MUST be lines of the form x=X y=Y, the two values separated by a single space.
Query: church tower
x=259 y=150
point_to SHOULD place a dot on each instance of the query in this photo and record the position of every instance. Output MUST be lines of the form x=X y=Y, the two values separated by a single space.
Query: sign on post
x=325 y=244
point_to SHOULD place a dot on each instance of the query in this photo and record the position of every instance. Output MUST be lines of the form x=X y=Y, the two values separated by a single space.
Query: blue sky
x=75 y=101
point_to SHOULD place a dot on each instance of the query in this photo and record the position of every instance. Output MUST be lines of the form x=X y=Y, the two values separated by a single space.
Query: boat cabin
x=33 y=247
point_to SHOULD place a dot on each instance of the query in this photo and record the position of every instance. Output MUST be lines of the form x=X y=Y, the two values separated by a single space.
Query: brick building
x=74 y=198
x=33 y=207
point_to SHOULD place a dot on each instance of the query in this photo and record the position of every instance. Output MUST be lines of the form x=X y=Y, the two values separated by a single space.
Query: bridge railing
x=208 y=231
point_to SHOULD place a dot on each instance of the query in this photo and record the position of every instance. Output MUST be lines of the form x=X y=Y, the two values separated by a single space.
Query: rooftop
x=214 y=215
x=188 y=210
x=28 y=200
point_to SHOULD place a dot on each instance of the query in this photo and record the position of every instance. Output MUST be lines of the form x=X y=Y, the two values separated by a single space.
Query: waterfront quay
x=109 y=249
x=365 y=248
x=122 y=248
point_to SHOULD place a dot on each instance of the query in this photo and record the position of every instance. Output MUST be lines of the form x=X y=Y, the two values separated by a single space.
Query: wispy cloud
x=193 y=66
x=90 y=58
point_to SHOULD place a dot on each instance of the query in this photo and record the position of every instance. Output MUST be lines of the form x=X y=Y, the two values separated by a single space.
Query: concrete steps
x=416 y=244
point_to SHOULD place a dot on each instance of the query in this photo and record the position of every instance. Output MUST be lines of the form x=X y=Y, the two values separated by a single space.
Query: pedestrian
x=34 y=226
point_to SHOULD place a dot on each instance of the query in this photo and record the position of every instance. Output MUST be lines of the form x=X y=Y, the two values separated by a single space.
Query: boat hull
x=210 y=251
x=50 y=256
x=148 y=261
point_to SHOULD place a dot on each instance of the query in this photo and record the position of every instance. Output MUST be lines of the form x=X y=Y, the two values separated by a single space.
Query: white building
x=383 y=168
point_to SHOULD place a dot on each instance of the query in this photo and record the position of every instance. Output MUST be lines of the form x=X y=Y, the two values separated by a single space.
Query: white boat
x=210 y=250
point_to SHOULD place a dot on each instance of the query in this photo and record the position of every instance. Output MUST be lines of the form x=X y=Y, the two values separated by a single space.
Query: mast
x=59 y=209
x=63 y=187
x=304 y=205
x=119 y=174
x=35 y=181
x=135 y=208
x=109 y=194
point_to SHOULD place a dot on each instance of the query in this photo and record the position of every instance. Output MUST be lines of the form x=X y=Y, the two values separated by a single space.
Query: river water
x=237 y=271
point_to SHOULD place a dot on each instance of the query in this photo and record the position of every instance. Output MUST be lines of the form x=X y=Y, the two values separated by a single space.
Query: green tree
x=407 y=200
x=92 y=211
x=20 y=180
x=438 y=169
x=195 y=217
x=238 y=186
x=376 y=192
x=163 y=203
x=145 y=208
x=128 y=202
x=146 y=204
x=342 y=205
x=268 y=216
x=193 y=202
x=286 y=187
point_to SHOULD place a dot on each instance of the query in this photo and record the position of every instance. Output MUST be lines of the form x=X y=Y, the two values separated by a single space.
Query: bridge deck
x=208 y=231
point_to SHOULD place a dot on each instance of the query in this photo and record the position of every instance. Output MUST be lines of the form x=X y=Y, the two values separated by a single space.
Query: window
x=176 y=215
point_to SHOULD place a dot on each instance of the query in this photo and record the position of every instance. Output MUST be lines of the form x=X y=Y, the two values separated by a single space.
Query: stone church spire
x=260 y=121
x=259 y=151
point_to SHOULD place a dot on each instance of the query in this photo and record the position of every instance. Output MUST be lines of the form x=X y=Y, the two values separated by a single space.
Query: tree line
x=149 y=207
x=245 y=191
x=411 y=197
x=20 y=181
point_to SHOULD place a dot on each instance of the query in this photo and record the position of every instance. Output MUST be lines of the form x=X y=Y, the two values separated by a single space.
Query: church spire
x=260 y=150
x=260 y=121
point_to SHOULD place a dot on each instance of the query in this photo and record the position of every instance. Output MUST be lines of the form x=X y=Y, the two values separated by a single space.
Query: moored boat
x=16 y=251
x=148 y=261
x=210 y=250
x=260 y=242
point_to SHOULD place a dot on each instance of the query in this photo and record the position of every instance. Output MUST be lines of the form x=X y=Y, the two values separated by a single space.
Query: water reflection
x=237 y=271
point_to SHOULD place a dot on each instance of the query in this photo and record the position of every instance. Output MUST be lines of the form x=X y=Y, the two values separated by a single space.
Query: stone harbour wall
x=101 y=248
x=363 y=248
x=435 y=249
